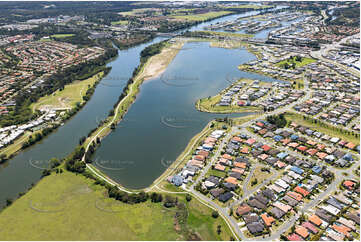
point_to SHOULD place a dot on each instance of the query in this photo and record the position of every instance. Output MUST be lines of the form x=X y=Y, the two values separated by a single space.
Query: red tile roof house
x=219 y=167
x=312 y=228
x=244 y=150
x=293 y=145
x=268 y=220
x=315 y=220
x=302 y=148
x=226 y=156
x=349 y=184
x=321 y=155
x=302 y=191
x=266 y=148
x=250 y=141
x=295 y=195
x=294 y=237
x=302 y=231
x=240 y=171
x=263 y=157
x=200 y=158
x=311 y=151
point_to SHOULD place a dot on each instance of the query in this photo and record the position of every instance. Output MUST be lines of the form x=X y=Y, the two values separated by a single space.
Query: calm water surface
x=141 y=140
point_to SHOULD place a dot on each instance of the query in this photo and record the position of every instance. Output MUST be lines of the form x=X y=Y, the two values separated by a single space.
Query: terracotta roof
x=302 y=148
x=266 y=147
x=231 y=180
x=315 y=220
x=226 y=156
x=312 y=151
x=293 y=144
x=295 y=195
x=263 y=156
x=321 y=155
x=302 y=231
x=301 y=190
x=242 y=165
x=349 y=184
x=294 y=237
x=250 y=141
x=241 y=171
x=245 y=150
x=310 y=227
x=350 y=145
x=219 y=167
x=342 y=229
x=268 y=220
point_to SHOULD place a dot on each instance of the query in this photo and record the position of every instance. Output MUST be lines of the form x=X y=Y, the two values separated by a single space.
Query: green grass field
x=68 y=97
x=303 y=62
x=70 y=207
x=61 y=36
x=254 y=6
x=203 y=16
x=120 y=22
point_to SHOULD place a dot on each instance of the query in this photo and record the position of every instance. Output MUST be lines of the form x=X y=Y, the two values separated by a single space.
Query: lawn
x=203 y=16
x=70 y=207
x=304 y=61
x=61 y=36
x=259 y=175
x=254 y=6
x=67 y=98
x=120 y=22
x=322 y=127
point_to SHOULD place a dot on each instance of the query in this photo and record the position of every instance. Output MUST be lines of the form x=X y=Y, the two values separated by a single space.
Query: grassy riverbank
x=67 y=206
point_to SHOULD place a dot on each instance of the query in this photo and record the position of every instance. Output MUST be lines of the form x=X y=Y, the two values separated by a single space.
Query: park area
x=66 y=206
x=295 y=62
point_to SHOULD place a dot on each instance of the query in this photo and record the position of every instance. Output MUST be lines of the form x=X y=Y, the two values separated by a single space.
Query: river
x=151 y=130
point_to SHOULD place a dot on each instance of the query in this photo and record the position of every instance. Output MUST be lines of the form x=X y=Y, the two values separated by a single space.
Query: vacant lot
x=67 y=98
x=70 y=207
x=61 y=36
x=120 y=22
x=202 y=16
x=259 y=176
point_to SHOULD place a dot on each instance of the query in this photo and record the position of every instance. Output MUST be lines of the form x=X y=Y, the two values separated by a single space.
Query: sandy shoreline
x=157 y=64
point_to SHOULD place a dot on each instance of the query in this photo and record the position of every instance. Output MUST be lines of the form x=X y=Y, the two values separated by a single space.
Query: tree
x=215 y=214
x=219 y=229
x=188 y=198
x=9 y=201
x=54 y=162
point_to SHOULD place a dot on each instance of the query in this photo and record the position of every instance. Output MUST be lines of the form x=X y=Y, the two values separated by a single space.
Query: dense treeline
x=278 y=120
x=137 y=38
